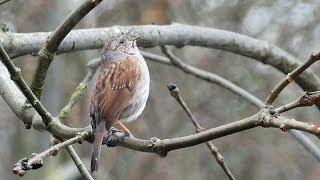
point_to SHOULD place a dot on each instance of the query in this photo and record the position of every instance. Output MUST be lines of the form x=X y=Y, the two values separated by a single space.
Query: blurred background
x=254 y=154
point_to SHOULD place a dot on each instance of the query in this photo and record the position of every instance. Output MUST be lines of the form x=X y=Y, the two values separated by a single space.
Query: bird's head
x=121 y=43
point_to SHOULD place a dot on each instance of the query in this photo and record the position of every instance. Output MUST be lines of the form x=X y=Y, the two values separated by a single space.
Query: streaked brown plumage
x=121 y=90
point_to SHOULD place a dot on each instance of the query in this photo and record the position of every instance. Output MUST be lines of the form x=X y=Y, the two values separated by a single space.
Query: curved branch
x=51 y=46
x=18 y=44
x=211 y=77
x=26 y=43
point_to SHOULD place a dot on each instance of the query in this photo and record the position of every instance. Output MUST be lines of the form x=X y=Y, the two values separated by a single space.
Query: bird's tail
x=98 y=138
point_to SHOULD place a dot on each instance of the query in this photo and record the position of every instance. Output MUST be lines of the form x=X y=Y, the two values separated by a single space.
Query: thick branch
x=175 y=34
x=46 y=117
x=47 y=52
x=175 y=93
x=290 y=77
x=263 y=118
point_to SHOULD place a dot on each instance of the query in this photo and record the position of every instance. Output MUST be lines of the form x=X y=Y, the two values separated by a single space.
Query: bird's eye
x=122 y=42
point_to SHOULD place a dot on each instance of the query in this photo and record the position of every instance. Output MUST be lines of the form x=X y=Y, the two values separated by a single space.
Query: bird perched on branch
x=121 y=90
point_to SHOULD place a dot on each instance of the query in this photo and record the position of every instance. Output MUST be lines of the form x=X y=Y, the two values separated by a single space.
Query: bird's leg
x=116 y=133
x=123 y=128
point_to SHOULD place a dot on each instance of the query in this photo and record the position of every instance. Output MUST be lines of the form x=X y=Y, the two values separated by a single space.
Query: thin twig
x=76 y=159
x=81 y=89
x=36 y=160
x=174 y=92
x=46 y=54
x=306 y=99
x=156 y=58
x=290 y=77
x=210 y=77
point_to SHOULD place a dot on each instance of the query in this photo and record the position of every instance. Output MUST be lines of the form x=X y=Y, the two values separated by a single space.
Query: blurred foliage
x=254 y=154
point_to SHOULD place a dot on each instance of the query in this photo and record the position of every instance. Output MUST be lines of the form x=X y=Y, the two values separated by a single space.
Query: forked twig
x=290 y=77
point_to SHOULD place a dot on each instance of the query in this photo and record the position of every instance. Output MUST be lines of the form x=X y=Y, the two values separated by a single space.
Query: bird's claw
x=115 y=135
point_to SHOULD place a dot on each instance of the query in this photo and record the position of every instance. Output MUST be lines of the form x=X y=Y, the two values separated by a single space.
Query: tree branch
x=263 y=118
x=211 y=77
x=290 y=77
x=26 y=43
x=47 y=52
x=18 y=44
x=17 y=78
x=36 y=160
x=76 y=159
x=47 y=119
x=175 y=93
x=16 y=100
x=306 y=99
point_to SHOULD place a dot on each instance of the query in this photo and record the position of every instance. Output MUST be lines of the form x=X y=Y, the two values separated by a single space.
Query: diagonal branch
x=17 y=78
x=174 y=92
x=46 y=54
x=290 y=77
x=76 y=159
x=210 y=77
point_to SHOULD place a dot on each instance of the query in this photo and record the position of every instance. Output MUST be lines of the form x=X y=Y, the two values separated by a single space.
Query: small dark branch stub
x=174 y=90
x=25 y=164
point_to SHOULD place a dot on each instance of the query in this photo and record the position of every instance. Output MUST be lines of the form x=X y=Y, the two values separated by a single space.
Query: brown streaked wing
x=115 y=87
